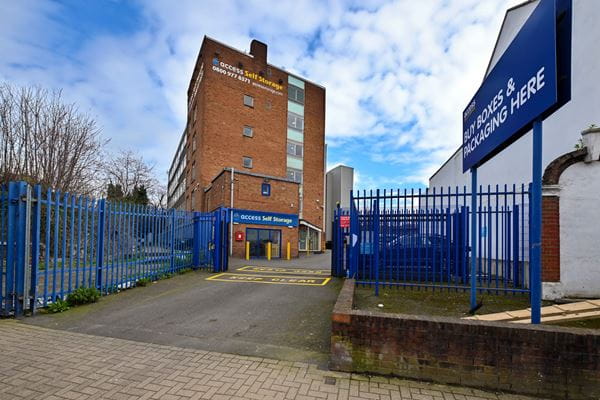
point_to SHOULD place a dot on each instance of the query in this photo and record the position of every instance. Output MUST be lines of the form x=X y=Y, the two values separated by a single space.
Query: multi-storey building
x=254 y=143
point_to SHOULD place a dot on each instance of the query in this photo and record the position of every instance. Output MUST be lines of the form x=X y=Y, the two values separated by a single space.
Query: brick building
x=254 y=143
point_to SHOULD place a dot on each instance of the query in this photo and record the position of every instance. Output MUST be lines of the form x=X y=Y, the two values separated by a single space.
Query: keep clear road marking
x=274 y=280
x=294 y=271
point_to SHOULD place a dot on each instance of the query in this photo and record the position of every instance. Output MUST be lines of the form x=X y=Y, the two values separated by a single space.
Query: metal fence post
x=196 y=241
x=172 y=235
x=353 y=238
x=376 y=242
x=100 y=243
x=217 y=241
x=35 y=245
x=22 y=247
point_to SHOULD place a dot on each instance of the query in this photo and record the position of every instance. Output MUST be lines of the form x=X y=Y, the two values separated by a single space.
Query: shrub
x=184 y=271
x=58 y=306
x=143 y=282
x=83 y=295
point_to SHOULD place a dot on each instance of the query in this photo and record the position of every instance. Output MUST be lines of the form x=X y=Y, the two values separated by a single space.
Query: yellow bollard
x=247 y=250
x=289 y=251
x=269 y=251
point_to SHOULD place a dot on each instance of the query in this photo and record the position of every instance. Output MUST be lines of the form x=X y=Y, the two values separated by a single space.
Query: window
x=193 y=171
x=294 y=174
x=247 y=162
x=248 y=131
x=295 y=121
x=295 y=94
x=265 y=189
x=248 y=101
x=294 y=149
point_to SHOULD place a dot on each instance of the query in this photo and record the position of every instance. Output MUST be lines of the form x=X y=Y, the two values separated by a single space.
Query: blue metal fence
x=421 y=239
x=51 y=243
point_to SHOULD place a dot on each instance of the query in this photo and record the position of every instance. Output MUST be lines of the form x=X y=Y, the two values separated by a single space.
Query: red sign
x=239 y=236
x=344 y=221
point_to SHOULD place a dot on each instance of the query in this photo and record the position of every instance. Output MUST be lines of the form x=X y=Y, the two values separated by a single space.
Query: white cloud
x=400 y=70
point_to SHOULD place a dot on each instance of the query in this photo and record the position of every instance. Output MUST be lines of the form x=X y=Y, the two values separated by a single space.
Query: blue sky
x=398 y=73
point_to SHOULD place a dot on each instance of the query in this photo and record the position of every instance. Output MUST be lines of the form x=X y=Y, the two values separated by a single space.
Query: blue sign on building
x=264 y=218
x=520 y=88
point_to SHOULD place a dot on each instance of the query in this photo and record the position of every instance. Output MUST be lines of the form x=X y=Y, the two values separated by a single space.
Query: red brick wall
x=284 y=198
x=550 y=239
x=545 y=361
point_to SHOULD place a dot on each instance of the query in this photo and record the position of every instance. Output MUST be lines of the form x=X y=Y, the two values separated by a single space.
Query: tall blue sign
x=520 y=88
x=264 y=218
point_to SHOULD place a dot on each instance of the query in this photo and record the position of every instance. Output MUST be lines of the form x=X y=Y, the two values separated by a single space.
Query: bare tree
x=129 y=171
x=44 y=140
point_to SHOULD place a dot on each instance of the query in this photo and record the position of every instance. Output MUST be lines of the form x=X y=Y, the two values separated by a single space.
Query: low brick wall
x=552 y=362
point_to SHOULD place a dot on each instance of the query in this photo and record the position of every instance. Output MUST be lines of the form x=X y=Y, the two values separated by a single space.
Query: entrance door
x=259 y=238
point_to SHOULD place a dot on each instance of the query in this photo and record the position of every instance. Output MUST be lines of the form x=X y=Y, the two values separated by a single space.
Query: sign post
x=519 y=91
x=474 y=236
x=536 y=225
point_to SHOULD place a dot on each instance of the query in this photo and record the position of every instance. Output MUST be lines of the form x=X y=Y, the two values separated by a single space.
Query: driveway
x=286 y=318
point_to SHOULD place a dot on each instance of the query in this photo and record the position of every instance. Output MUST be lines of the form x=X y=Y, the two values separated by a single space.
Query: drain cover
x=329 y=380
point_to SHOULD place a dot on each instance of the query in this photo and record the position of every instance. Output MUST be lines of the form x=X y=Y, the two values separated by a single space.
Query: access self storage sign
x=520 y=88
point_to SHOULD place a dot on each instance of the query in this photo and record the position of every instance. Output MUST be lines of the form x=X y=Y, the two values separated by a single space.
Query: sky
x=398 y=74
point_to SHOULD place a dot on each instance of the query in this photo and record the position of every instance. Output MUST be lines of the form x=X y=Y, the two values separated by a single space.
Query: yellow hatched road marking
x=274 y=280
x=296 y=271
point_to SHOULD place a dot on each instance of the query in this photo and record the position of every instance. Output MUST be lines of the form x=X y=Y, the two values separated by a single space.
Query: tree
x=45 y=140
x=130 y=178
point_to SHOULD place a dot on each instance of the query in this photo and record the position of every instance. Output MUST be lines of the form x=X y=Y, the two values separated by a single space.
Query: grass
x=438 y=303
x=586 y=323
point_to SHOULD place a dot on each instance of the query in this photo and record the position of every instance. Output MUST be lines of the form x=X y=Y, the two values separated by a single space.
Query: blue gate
x=422 y=239
x=51 y=243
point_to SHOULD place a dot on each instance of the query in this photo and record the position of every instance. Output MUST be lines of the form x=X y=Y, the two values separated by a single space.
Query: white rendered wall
x=580 y=230
x=562 y=129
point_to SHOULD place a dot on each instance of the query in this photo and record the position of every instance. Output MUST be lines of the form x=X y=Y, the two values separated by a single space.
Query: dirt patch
x=429 y=302
x=586 y=324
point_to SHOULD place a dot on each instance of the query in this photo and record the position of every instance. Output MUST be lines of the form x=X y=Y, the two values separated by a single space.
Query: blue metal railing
x=52 y=243
x=421 y=239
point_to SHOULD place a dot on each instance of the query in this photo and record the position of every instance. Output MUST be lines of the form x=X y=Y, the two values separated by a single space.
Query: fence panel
x=421 y=239
x=52 y=243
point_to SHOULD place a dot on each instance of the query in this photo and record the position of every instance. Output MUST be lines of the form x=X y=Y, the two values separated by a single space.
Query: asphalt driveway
x=280 y=319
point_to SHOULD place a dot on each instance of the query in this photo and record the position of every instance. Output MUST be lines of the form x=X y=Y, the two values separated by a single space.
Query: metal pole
x=473 y=238
x=536 y=224
x=231 y=213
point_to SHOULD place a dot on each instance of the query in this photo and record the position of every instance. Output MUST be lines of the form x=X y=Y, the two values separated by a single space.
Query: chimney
x=591 y=140
x=258 y=50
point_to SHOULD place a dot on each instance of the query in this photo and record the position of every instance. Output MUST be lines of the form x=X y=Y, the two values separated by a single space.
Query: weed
x=58 y=306
x=184 y=271
x=143 y=282
x=83 y=295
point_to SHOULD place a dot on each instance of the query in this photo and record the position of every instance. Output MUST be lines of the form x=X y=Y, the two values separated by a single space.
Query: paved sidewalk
x=40 y=363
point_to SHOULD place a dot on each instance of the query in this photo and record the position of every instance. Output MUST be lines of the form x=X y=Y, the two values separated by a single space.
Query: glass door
x=275 y=244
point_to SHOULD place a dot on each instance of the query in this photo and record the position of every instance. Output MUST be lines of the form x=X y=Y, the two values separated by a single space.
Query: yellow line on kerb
x=270 y=279
x=254 y=268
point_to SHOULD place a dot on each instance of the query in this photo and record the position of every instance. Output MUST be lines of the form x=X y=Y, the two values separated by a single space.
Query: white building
x=562 y=129
x=579 y=257
x=339 y=181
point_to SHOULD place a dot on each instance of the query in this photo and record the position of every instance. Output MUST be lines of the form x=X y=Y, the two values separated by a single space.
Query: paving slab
x=39 y=363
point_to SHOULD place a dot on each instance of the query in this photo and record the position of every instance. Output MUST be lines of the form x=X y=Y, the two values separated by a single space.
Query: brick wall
x=550 y=239
x=552 y=362
x=284 y=198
